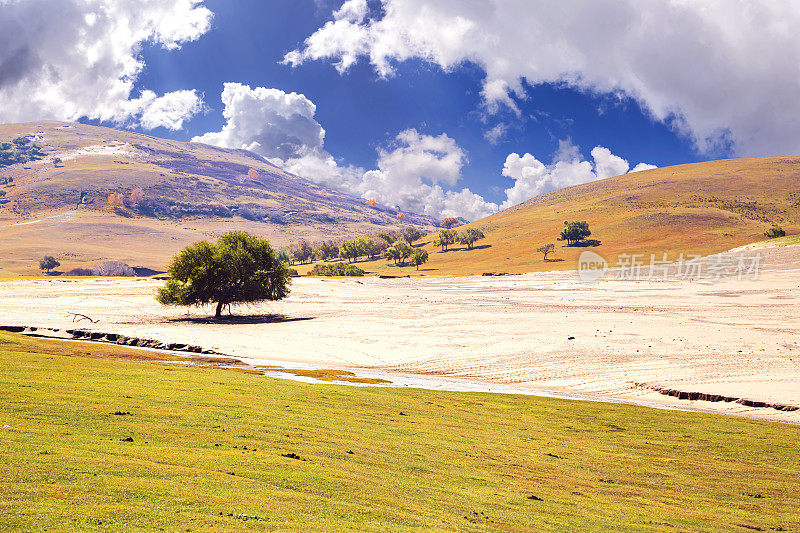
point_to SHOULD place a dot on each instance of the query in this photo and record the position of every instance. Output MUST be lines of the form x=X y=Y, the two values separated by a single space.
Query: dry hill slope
x=188 y=191
x=700 y=208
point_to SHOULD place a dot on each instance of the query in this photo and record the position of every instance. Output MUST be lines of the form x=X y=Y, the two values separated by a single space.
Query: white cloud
x=496 y=133
x=270 y=122
x=409 y=176
x=410 y=173
x=80 y=58
x=532 y=177
x=417 y=172
x=643 y=166
x=167 y=111
x=718 y=72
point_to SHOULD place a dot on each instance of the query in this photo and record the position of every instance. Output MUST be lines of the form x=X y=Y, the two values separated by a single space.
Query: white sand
x=737 y=338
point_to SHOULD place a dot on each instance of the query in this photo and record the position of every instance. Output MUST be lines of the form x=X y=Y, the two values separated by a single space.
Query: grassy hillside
x=58 y=201
x=700 y=208
x=207 y=453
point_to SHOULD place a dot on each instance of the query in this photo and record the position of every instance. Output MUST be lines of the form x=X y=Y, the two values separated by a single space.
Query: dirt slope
x=189 y=191
x=700 y=208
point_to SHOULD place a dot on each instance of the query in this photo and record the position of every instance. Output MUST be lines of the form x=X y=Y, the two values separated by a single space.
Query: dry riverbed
x=737 y=339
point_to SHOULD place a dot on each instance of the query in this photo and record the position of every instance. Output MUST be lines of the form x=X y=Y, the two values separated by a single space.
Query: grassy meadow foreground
x=202 y=449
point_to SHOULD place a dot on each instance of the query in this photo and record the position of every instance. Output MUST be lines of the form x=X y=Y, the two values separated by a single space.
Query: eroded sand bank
x=738 y=338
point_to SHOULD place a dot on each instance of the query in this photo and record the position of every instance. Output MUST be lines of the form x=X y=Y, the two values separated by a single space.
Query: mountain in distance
x=87 y=194
x=692 y=209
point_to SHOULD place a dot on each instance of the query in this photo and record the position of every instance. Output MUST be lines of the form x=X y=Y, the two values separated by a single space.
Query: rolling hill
x=87 y=194
x=699 y=208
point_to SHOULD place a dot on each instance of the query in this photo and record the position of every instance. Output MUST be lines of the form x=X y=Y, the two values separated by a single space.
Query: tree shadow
x=584 y=244
x=240 y=319
x=552 y=260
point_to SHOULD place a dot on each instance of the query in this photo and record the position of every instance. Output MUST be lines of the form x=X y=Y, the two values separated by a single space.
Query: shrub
x=80 y=272
x=336 y=269
x=774 y=232
x=113 y=268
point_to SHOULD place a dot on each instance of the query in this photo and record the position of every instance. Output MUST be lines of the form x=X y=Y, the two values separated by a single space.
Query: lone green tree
x=446 y=238
x=238 y=268
x=469 y=236
x=420 y=257
x=574 y=232
x=48 y=263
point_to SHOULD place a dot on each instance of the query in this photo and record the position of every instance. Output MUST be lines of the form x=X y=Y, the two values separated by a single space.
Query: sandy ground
x=733 y=337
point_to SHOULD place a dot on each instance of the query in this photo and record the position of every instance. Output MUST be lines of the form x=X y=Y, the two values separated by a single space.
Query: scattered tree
x=303 y=252
x=411 y=234
x=48 y=263
x=388 y=236
x=450 y=222
x=399 y=251
x=774 y=232
x=392 y=253
x=366 y=246
x=57 y=162
x=574 y=232
x=238 y=268
x=327 y=250
x=546 y=249
x=420 y=257
x=469 y=236
x=349 y=250
x=446 y=238
x=405 y=250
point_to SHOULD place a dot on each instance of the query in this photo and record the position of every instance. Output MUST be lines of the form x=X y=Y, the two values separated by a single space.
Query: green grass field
x=208 y=445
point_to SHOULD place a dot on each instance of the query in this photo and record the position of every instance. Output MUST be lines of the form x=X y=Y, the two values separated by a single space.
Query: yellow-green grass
x=789 y=240
x=208 y=448
x=325 y=374
x=699 y=208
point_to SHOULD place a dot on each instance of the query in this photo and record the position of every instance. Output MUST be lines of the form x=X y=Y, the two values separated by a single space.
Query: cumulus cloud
x=80 y=58
x=416 y=172
x=717 y=73
x=643 y=166
x=270 y=122
x=409 y=175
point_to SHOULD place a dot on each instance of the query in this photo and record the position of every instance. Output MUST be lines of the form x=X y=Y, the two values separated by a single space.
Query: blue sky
x=360 y=111
x=444 y=107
